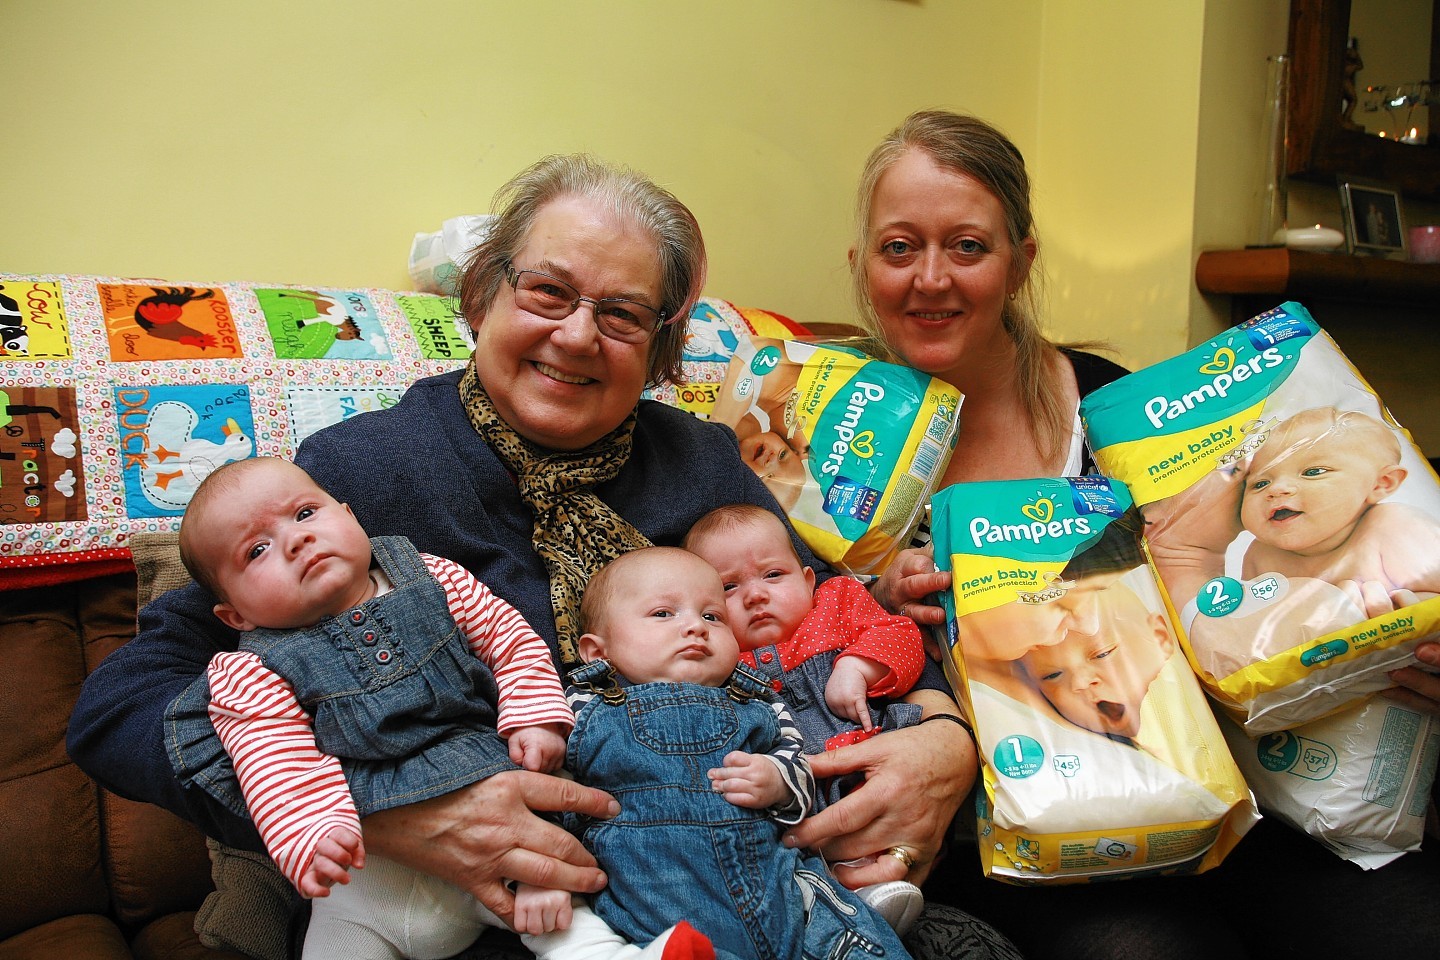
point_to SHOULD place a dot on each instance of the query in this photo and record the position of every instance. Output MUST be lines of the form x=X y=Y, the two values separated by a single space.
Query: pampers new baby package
x=1100 y=755
x=850 y=446
x=1292 y=523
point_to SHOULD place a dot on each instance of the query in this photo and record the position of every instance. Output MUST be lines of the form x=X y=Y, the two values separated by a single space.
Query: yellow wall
x=308 y=141
x=1116 y=170
x=1239 y=36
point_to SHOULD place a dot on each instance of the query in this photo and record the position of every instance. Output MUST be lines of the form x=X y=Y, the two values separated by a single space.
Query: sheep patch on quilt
x=118 y=396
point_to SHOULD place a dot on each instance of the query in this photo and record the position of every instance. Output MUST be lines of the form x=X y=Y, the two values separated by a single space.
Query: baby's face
x=1009 y=631
x=1305 y=494
x=769 y=456
x=284 y=552
x=1098 y=681
x=767 y=591
x=665 y=621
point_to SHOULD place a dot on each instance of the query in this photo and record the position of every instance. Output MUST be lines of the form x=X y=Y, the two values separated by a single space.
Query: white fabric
x=1112 y=786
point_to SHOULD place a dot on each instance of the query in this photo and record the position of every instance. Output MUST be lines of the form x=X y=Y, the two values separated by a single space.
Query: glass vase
x=1270 y=200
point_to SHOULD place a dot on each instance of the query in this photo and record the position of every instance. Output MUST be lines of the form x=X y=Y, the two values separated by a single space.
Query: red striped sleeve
x=295 y=793
x=530 y=689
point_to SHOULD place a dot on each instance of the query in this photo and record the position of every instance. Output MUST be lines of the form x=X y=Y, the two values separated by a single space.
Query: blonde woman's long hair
x=972 y=147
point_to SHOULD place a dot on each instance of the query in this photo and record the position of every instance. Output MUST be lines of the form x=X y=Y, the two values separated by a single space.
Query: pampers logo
x=1042 y=525
x=1223 y=372
x=848 y=439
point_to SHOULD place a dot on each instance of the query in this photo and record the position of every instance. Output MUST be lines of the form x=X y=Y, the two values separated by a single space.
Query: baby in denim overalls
x=709 y=770
x=369 y=676
x=828 y=653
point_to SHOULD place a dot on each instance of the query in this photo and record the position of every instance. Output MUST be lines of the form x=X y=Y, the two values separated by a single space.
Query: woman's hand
x=485 y=834
x=1189 y=532
x=910 y=578
x=1415 y=687
x=915 y=780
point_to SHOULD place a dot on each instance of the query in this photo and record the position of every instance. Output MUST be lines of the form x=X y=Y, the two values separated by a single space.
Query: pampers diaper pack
x=1293 y=525
x=849 y=445
x=1100 y=755
x=1358 y=781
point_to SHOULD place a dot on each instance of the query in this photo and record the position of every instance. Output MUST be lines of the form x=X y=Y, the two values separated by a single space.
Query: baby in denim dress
x=709 y=770
x=368 y=676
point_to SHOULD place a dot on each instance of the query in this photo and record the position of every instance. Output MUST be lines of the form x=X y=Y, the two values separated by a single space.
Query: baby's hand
x=338 y=852
x=539 y=748
x=538 y=910
x=845 y=691
x=749 y=780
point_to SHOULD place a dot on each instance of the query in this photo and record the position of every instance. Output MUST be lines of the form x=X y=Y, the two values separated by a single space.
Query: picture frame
x=1374 y=219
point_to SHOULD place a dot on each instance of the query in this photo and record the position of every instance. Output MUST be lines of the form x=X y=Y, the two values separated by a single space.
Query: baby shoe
x=898 y=901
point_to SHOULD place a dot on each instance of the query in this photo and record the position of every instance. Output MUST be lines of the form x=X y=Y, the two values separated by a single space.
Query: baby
x=1312 y=499
x=363 y=681
x=834 y=647
x=827 y=652
x=709 y=771
x=1098 y=680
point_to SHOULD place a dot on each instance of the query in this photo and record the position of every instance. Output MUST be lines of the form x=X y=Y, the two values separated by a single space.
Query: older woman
x=944 y=269
x=532 y=467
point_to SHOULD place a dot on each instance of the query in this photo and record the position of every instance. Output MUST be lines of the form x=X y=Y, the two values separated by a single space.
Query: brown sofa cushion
x=71 y=852
x=173 y=937
x=49 y=828
x=86 y=935
x=157 y=861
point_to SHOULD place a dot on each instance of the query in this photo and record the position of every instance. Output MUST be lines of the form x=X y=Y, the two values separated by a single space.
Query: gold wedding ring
x=903 y=855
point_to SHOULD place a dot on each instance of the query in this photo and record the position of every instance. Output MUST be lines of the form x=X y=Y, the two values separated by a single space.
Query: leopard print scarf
x=576 y=533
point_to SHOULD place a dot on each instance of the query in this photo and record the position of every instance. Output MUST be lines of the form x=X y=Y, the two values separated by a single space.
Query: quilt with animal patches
x=118 y=396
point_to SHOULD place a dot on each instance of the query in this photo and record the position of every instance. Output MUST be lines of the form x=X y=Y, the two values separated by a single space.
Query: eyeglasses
x=554 y=299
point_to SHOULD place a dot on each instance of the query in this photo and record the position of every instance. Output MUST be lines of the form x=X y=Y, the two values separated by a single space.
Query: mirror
x=1320 y=144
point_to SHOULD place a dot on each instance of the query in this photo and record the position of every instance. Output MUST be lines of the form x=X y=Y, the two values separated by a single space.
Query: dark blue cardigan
x=419 y=470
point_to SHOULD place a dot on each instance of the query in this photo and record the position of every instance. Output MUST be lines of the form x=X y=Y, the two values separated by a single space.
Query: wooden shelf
x=1381 y=313
x=1301 y=274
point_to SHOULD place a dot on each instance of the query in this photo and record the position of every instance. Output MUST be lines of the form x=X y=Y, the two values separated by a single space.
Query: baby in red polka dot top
x=834 y=647
x=833 y=655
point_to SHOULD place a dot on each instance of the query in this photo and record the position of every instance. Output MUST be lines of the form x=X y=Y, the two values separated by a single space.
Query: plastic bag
x=436 y=259
x=1358 y=781
x=851 y=446
x=1100 y=755
x=1292 y=523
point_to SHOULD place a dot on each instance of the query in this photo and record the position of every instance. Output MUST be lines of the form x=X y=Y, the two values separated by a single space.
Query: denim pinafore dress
x=393 y=689
x=680 y=851
x=802 y=688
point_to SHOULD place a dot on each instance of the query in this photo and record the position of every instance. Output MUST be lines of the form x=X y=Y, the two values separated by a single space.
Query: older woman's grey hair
x=635 y=198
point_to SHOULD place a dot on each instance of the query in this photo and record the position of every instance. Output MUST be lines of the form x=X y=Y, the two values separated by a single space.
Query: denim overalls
x=802 y=688
x=393 y=688
x=679 y=851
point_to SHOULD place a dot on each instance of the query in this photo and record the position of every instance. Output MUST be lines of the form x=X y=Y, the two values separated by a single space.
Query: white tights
x=390 y=912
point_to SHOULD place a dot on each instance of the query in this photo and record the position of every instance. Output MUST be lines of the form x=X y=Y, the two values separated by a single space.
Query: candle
x=1425 y=244
x=1313 y=238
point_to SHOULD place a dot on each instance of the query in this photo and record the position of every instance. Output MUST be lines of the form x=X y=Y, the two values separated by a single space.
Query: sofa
x=86 y=873
x=86 y=390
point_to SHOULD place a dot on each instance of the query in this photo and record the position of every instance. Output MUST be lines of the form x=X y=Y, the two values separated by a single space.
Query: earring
x=1012 y=296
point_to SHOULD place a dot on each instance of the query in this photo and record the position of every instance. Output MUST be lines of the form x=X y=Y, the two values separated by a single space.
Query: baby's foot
x=590 y=938
x=900 y=902
x=684 y=942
